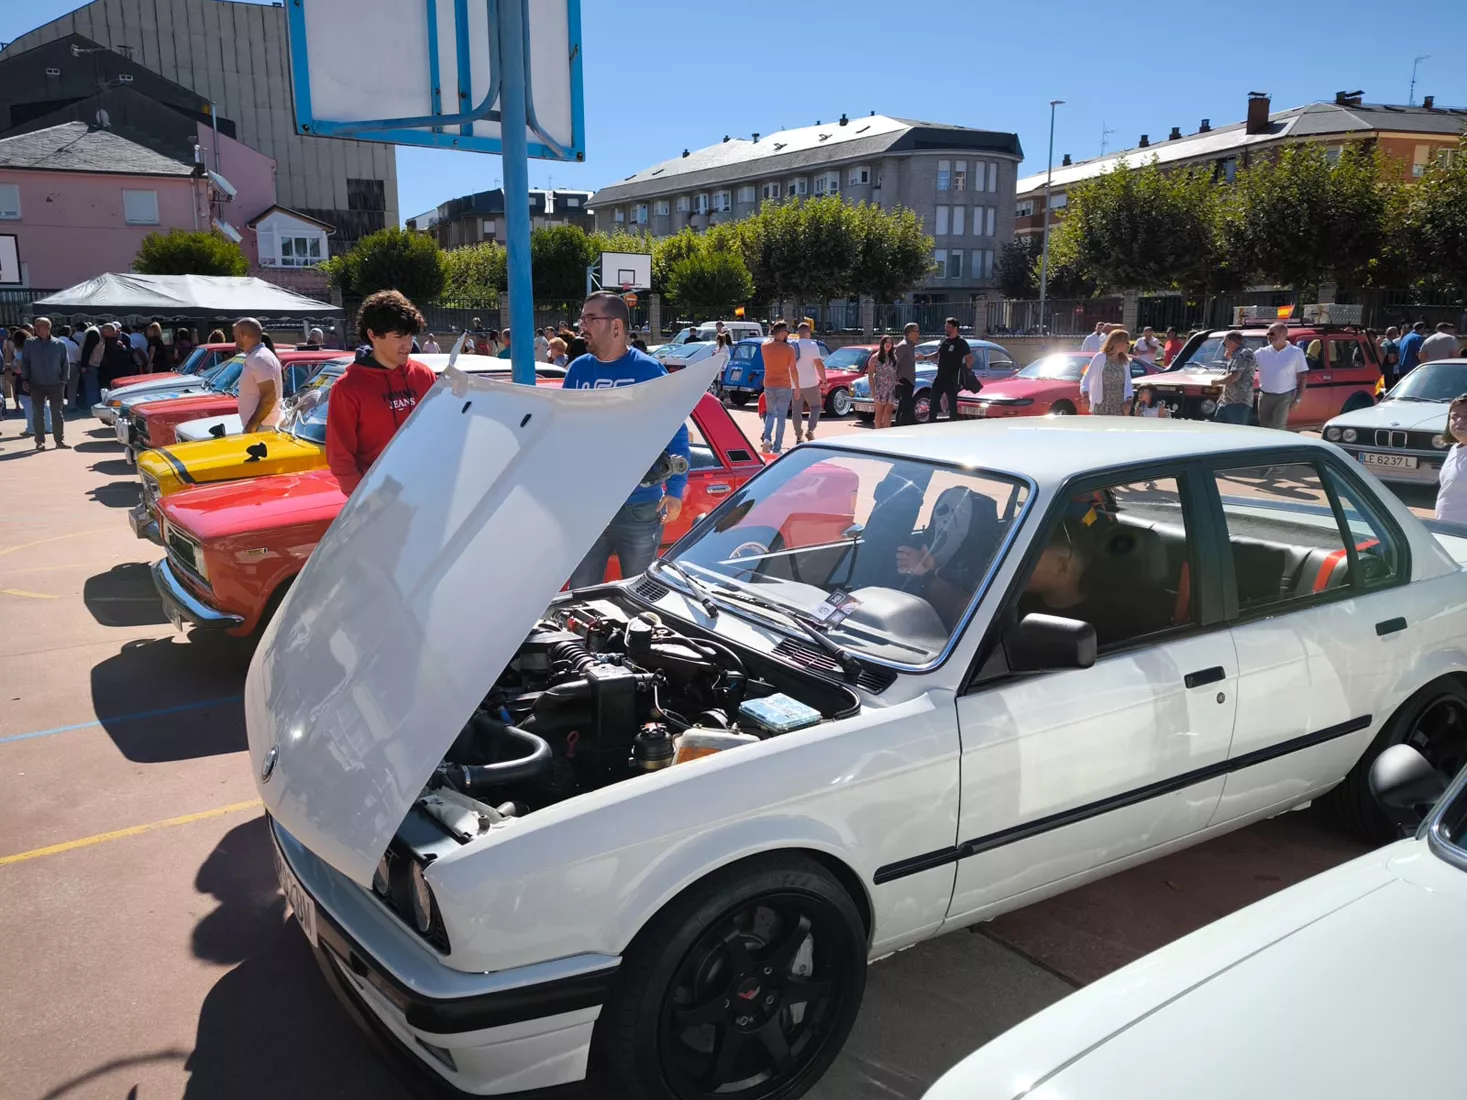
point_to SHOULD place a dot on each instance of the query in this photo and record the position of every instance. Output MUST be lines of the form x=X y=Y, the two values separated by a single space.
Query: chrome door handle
x=1326 y=378
x=716 y=490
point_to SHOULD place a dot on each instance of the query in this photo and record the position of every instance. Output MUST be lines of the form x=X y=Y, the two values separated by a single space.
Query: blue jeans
x=776 y=408
x=633 y=535
x=1232 y=414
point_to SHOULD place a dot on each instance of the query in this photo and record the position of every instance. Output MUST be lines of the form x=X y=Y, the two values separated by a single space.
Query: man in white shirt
x=1283 y=373
x=1092 y=342
x=1440 y=345
x=542 y=344
x=259 y=381
x=809 y=381
x=1147 y=346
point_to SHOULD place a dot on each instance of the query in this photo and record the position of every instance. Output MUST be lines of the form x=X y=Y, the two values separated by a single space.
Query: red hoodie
x=368 y=405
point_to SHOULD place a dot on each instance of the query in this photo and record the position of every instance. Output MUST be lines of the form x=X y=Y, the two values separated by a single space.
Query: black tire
x=1357 y=402
x=1062 y=408
x=1434 y=720
x=838 y=402
x=739 y=399
x=731 y=947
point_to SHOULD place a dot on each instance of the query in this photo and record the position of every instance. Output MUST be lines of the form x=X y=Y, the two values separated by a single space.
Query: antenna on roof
x=1104 y=137
x=1411 y=97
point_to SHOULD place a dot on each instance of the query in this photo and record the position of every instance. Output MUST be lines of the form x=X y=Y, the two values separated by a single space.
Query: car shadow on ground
x=117 y=494
x=161 y=700
x=124 y=596
x=114 y=467
x=98 y=448
x=102 y=433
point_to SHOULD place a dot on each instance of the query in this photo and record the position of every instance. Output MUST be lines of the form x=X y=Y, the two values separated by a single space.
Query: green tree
x=1433 y=225
x=1066 y=278
x=893 y=253
x=1015 y=266
x=1297 y=219
x=395 y=259
x=179 y=252
x=1144 y=228
x=559 y=256
x=669 y=252
x=709 y=283
x=802 y=248
x=476 y=272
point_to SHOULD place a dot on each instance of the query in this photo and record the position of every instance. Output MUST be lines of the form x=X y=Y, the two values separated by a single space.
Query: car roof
x=1052 y=449
x=973 y=342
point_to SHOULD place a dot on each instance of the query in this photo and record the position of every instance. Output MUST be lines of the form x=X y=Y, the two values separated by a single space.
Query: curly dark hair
x=388 y=311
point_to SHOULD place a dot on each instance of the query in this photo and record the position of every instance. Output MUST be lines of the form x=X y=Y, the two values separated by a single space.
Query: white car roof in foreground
x=1051 y=449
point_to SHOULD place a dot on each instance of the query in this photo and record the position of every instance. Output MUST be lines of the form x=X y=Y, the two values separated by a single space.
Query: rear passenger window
x=1346 y=353
x=1287 y=541
x=1119 y=559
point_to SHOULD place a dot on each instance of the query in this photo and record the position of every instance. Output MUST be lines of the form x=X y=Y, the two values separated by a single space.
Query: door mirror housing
x=1405 y=786
x=1048 y=643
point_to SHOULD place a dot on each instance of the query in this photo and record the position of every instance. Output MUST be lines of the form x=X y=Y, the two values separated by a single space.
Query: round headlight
x=1207 y=406
x=1440 y=443
x=1350 y=435
x=1332 y=434
x=422 y=900
x=382 y=877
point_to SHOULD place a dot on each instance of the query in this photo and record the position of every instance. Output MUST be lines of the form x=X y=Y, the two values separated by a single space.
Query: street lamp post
x=1048 y=179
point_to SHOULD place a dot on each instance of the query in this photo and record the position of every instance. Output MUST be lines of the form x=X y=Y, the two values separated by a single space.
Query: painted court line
x=122 y=718
x=134 y=830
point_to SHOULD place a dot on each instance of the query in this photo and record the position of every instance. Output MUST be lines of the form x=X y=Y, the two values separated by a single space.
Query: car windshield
x=847 y=359
x=1432 y=382
x=226 y=378
x=1056 y=368
x=310 y=421
x=191 y=364
x=662 y=351
x=888 y=553
x=1209 y=353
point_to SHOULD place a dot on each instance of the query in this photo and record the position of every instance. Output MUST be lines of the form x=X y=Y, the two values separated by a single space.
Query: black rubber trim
x=1204 y=676
x=178 y=467
x=943 y=856
x=1390 y=626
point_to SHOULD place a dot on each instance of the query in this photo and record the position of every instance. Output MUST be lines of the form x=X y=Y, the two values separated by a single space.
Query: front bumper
x=105 y=413
x=143 y=525
x=481 y=1034
x=1428 y=465
x=183 y=606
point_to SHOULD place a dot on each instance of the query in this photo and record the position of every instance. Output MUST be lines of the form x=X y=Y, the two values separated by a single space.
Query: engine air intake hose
x=473 y=778
x=574 y=654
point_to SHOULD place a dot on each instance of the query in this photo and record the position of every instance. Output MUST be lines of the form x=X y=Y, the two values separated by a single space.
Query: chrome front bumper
x=105 y=413
x=143 y=525
x=182 y=605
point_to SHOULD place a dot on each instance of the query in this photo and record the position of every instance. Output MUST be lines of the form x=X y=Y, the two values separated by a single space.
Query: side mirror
x=1405 y=786
x=1047 y=643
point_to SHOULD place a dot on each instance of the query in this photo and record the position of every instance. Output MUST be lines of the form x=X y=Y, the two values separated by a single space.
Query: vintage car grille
x=1396 y=439
x=875 y=680
x=184 y=550
x=140 y=431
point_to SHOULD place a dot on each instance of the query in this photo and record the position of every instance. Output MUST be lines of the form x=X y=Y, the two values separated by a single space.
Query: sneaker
x=25 y=434
x=799 y=437
x=809 y=435
x=40 y=446
x=62 y=446
x=764 y=447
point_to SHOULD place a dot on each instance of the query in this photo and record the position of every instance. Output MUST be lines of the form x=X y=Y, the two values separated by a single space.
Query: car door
x=997 y=365
x=1069 y=771
x=1311 y=571
x=720 y=460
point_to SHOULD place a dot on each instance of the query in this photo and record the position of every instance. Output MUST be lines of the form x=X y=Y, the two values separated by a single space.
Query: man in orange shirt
x=779 y=381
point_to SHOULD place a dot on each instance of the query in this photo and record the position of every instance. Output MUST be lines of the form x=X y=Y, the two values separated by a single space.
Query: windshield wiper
x=702 y=591
x=807 y=624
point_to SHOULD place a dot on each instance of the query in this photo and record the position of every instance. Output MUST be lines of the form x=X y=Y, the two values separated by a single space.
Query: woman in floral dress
x=1106 y=383
x=881 y=369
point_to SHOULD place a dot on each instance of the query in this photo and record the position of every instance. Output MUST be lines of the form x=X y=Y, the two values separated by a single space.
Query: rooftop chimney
x=1176 y=133
x=1348 y=99
x=1258 y=104
x=1145 y=140
x=1066 y=162
x=756 y=137
x=725 y=137
x=843 y=119
x=685 y=152
x=1206 y=126
x=1429 y=102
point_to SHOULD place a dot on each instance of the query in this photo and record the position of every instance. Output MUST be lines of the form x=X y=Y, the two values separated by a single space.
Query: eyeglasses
x=594 y=317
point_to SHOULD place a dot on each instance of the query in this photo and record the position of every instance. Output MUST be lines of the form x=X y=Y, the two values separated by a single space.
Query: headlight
x=382 y=877
x=1207 y=406
x=1350 y=435
x=1332 y=434
x=1440 y=443
x=200 y=566
x=422 y=899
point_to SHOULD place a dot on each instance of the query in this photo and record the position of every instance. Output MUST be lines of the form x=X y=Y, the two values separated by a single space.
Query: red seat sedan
x=1049 y=386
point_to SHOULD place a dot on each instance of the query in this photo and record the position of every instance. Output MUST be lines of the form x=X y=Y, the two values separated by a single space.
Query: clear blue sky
x=663 y=75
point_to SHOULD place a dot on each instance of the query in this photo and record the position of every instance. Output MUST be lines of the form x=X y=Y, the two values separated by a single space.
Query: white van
x=708 y=330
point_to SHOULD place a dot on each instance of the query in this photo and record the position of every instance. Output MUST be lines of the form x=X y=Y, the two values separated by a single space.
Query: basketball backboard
x=626 y=271
x=9 y=260
x=421 y=73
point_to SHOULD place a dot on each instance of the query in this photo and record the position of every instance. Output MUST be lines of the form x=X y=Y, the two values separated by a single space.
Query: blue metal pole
x=516 y=189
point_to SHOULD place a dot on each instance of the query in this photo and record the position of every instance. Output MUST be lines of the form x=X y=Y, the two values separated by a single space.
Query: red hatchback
x=1049 y=386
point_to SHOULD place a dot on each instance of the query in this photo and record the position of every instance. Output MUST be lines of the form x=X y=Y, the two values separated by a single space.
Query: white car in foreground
x=957 y=669
x=1400 y=438
x=1348 y=985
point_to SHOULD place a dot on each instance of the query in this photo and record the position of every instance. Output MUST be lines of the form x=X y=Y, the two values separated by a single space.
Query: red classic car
x=1049 y=386
x=842 y=367
x=234 y=549
x=152 y=423
x=203 y=357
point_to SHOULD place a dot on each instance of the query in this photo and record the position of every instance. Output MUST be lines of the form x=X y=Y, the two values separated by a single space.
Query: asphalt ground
x=145 y=951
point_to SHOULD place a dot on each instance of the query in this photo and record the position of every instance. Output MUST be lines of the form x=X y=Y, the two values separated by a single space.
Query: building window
x=991 y=222
x=770 y=190
x=993 y=175
x=1058 y=202
x=822 y=184
x=1024 y=209
x=944 y=174
x=300 y=251
x=940 y=228
x=859 y=175
x=799 y=186
x=570 y=201
x=939 y=263
x=1332 y=154
x=960 y=174
x=1227 y=169
x=10 y=201
x=723 y=201
x=700 y=203
x=618 y=215
x=748 y=192
x=662 y=209
x=955 y=264
x=958 y=214
x=639 y=214
x=140 y=207
x=684 y=204
x=983 y=263
x=486 y=227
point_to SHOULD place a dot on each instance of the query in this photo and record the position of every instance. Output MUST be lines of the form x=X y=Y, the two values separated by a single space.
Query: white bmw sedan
x=889 y=687
x=1400 y=439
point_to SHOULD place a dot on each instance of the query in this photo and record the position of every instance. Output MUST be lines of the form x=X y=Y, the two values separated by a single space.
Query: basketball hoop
x=626 y=287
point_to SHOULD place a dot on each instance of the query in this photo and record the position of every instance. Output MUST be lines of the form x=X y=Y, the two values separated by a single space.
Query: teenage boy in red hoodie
x=378 y=391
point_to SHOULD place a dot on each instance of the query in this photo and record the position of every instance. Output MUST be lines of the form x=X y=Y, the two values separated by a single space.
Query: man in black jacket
x=118 y=359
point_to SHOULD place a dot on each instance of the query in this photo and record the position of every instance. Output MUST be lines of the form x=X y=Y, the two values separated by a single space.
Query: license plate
x=863 y=406
x=1394 y=462
x=736 y=374
x=300 y=901
x=971 y=410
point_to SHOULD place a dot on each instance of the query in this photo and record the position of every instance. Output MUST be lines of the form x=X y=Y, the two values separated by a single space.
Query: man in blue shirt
x=1411 y=347
x=635 y=532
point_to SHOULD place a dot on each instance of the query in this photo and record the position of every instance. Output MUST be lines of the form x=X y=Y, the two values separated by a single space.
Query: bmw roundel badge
x=267 y=767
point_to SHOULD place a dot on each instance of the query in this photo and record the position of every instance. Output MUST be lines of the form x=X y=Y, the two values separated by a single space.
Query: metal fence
x=1379 y=308
x=929 y=317
x=15 y=304
x=1061 y=316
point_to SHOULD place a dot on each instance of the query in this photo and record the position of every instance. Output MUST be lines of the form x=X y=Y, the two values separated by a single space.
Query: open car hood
x=425 y=586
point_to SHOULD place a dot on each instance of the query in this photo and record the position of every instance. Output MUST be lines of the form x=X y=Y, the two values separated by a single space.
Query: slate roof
x=788 y=151
x=1313 y=120
x=77 y=147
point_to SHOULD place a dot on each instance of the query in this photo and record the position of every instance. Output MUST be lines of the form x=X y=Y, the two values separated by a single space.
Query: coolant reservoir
x=695 y=742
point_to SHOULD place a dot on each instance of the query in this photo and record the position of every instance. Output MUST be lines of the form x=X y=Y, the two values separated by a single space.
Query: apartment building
x=234 y=56
x=1411 y=136
x=959 y=181
x=479 y=217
